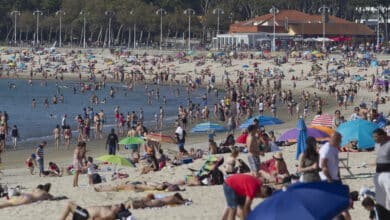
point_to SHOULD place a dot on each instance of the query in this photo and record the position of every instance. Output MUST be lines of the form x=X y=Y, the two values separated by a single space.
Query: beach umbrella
x=242 y=138
x=245 y=66
x=309 y=201
x=263 y=120
x=208 y=126
x=132 y=140
x=162 y=138
x=325 y=129
x=116 y=160
x=324 y=120
x=292 y=135
x=385 y=72
x=301 y=143
x=360 y=130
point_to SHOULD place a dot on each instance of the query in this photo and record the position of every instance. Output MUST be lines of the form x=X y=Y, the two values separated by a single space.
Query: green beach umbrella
x=114 y=159
x=132 y=140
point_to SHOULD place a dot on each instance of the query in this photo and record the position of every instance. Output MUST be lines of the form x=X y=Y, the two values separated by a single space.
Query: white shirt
x=179 y=131
x=332 y=154
x=261 y=106
x=91 y=168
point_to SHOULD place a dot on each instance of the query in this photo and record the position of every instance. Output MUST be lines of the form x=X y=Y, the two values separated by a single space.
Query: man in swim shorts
x=95 y=212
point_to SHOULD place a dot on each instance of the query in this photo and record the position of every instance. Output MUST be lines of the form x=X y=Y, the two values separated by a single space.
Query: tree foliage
x=175 y=23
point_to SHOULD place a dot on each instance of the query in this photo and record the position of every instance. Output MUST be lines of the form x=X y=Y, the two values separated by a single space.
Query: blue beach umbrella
x=208 y=126
x=263 y=120
x=309 y=201
x=301 y=143
x=360 y=130
x=245 y=66
x=385 y=72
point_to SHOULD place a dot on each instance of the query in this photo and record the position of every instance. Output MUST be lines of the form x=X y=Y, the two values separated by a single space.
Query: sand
x=208 y=201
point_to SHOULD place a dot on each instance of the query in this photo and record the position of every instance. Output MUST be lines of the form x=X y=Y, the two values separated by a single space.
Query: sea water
x=38 y=123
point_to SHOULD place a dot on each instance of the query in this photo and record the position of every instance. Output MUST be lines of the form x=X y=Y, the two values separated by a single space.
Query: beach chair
x=344 y=163
x=211 y=165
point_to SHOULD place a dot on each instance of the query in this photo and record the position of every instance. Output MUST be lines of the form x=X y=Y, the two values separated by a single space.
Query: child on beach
x=91 y=170
x=31 y=163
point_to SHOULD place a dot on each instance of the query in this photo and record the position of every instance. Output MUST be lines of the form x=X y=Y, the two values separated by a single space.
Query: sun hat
x=278 y=155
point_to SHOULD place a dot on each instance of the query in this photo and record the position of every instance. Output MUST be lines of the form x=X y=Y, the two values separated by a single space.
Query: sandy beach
x=207 y=201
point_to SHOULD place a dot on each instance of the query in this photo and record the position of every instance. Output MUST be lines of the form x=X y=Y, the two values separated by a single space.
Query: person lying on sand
x=150 y=201
x=138 y=187
x=73 y=211
x=39 y=194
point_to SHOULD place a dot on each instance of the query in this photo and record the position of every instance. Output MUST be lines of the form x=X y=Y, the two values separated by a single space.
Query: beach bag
x=243 y=167
x=96 y=178
x=216 y=177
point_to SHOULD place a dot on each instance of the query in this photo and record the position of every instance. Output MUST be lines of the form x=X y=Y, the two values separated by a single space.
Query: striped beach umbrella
x=323 y=120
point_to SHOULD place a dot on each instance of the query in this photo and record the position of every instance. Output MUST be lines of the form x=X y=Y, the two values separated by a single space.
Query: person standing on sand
x=382 y=176
x=56 y=133
x=78 y=157
x=14 y=135
x=40 y=156
x=112 y=142
x=329 y=159
x=240 y=190
x=254 y=151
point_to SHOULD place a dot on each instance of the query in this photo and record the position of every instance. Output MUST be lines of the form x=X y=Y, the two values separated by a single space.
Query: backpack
x=96 y=178
x=216 y=177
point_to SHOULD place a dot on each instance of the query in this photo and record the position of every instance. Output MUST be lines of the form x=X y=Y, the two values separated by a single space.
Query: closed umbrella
x=132 y=140
x=301 y=143
x=360 y=130
x=308 y=201
x=162 y=138
x=208 y=126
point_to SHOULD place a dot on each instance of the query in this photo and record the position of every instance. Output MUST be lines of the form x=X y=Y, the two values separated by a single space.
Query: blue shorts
x=181 y=147
x=232 y=199
x=254 y=163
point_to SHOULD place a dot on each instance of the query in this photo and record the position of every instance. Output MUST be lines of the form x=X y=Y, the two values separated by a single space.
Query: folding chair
x=345 y=164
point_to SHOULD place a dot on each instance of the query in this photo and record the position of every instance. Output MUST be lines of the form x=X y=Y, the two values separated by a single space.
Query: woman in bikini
x=39 y=194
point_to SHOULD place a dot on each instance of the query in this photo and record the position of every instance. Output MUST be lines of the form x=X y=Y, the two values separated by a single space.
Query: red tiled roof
x=292 y=16
x=332 y=29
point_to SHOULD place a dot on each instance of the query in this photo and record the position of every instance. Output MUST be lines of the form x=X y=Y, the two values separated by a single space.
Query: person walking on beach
x=240 y=190
x=180 y=136
x=329 y=159
x=40 y=156
x=14 y=135
x=382 y=176
x=112 y=142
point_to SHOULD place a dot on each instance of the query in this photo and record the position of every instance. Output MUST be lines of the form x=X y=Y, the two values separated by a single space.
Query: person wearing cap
x=382 y=176
x=112 y=142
